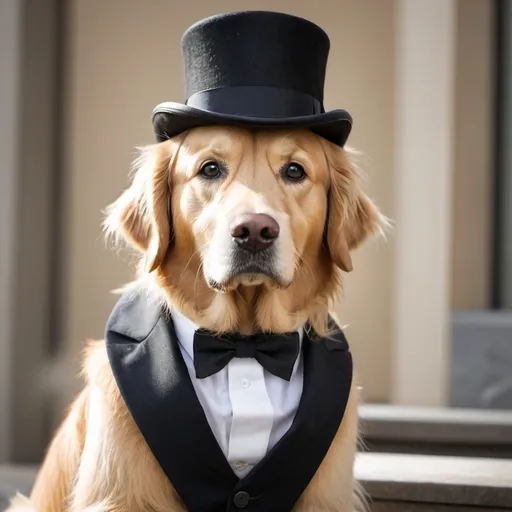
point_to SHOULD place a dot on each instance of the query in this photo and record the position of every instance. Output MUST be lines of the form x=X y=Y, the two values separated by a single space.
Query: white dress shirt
x=247 y=408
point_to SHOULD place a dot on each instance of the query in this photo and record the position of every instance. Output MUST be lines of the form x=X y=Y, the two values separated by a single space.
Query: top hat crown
x=254 y=68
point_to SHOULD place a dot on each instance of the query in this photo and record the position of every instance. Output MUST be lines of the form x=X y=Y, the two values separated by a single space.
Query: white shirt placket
x=252 y=414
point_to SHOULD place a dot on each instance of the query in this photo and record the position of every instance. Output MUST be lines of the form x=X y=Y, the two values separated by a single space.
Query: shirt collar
x=185 y=330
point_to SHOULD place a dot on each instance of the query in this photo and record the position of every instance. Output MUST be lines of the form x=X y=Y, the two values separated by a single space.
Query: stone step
x=437 y=431
x=416 y=483
x=394 y=482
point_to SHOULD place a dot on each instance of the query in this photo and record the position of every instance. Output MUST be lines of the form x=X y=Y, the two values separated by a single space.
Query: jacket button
x=241 y=499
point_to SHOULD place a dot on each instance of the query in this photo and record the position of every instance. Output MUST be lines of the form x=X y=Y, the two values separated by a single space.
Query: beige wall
x=124 y=59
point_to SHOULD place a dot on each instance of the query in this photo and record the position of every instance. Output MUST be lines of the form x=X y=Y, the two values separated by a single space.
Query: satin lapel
x=155 y=384
x=288 y=468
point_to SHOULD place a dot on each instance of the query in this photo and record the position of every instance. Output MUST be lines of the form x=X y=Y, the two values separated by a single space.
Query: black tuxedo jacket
x=155 y=384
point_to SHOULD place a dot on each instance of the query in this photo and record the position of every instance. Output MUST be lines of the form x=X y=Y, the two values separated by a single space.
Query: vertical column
x=504 y=242
x=28 y=106
x=10 y=39
x=425 y=69
x=474 y=142
x=35 y=245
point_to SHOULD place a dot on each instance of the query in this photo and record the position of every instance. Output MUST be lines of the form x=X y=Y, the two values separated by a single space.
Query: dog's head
x=228 y=219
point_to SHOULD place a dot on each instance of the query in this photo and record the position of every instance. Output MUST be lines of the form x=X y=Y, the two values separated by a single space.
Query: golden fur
x=98 y=460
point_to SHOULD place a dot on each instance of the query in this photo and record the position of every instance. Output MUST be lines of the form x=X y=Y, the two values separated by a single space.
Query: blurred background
x=428 y=83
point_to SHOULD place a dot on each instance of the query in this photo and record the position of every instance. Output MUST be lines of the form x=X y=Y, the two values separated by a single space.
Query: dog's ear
x=352 y=216
x=141 y=215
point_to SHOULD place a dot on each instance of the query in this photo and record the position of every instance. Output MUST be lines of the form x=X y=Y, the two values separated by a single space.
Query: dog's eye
x=294 y=172
x=210 y=170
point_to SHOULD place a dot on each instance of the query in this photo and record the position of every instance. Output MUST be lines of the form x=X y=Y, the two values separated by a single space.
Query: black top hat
x=254 y=68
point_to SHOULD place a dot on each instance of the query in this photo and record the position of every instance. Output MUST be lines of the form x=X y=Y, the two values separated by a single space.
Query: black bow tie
x=277 y=353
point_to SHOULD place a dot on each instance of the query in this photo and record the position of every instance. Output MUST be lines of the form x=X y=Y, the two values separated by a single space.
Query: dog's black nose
x=254 y=231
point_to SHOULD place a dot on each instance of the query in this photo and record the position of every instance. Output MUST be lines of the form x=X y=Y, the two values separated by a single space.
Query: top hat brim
x=171 y=119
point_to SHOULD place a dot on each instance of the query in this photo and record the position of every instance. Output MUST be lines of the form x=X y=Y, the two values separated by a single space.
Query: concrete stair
x=437 y=431
x=394 y=482
x=416 y=483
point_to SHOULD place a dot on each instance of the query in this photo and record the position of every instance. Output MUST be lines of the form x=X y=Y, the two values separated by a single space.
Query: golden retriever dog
x=178 y=216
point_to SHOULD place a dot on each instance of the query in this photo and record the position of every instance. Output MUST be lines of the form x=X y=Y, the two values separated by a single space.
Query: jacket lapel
x=154 y=382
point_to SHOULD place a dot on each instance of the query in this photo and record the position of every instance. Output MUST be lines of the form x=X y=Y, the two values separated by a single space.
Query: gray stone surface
x=441 y=431
x=395 y=482
x=447 y=481
x=481 y=375
x=437 y=423
x=404 y=506
x=15 y=479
